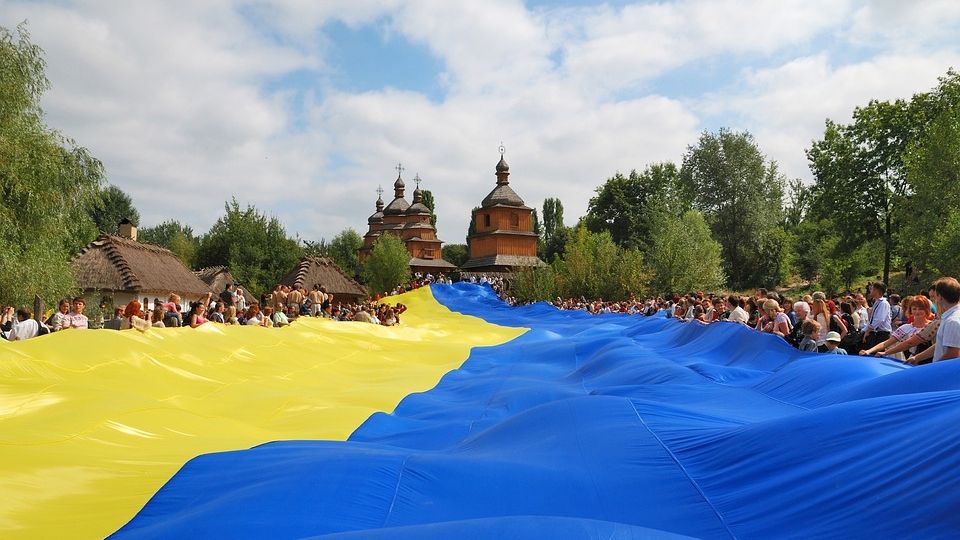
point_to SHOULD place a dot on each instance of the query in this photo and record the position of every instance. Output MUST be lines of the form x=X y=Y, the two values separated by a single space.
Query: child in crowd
x=811 y=329
x=833 y=344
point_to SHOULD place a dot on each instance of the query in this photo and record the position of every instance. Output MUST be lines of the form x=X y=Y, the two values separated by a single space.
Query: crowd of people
x=916 y=329
x=277 y=308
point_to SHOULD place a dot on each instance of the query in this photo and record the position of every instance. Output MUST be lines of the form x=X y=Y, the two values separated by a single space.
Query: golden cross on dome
x=399 y=169
x=379 y=191
x=416 y=179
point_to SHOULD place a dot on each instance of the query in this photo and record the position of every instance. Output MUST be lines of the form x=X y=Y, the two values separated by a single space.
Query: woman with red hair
x=131 y=317
x=919 y=309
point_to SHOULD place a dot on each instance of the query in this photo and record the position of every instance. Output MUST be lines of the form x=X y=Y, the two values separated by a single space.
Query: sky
x=303 y=108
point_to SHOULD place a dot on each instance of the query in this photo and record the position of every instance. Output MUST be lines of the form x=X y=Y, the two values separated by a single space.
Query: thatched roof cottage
x=323 y=271
x=119 y=268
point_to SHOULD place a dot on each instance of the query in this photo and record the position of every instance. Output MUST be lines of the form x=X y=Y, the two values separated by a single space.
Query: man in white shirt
x=23 y=327
x=948 y=336
x=737 y=313
x=878 y=325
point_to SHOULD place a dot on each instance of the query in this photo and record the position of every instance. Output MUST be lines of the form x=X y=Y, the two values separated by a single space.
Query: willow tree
x=47 y=182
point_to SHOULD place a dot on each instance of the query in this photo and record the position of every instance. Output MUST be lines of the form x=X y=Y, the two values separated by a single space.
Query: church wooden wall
x=503 y=245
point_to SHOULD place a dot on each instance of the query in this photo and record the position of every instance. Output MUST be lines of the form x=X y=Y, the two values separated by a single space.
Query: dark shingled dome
x=502 y=194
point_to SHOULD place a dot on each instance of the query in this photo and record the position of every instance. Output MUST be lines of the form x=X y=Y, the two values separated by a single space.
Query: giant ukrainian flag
x=609 y=426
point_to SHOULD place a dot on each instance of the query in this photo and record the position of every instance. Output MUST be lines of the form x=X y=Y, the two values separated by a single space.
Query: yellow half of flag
x=93 y=423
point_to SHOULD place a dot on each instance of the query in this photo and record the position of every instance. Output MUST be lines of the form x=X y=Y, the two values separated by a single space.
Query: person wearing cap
x=833 y=344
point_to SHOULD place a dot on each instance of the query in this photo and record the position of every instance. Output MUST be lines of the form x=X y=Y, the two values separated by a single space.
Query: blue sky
x=302 y=108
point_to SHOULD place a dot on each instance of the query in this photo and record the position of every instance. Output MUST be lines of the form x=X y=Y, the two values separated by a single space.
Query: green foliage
x=429 y=203
x=928 y=232
x=550 y=250
x=683 y=256
x=472 y=226
x=946 y=254
x=552 y=218
x=320 y=248
x=799 y=199
x=812 y=241
x=624 y=205
x=113 y=206
x=388 y=264
x=255 y=248
x=774 y=258
x=175 y=236
x=456 y=254
x=535 y=224
x=871 y=172
x=46 y=183
x=555 y=234
x=343 y=250
x=859 y=173
x=534 y=283
x=740 y=194
x=593 y=266
x=844 y=266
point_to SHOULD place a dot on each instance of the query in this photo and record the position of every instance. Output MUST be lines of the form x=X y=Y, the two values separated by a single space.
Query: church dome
x=396 y=207
x=502 y=194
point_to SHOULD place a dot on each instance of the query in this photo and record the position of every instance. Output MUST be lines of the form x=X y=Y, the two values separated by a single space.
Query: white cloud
x=785 y=107
x=174 y=97
x=620 y=47
x=905 y=26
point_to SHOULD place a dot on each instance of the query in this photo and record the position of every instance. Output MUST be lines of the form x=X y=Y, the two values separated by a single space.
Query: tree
x=472 y=226
x=593 y=266
x=740 y=194
x=535 y=224
x=683 y=256
x=388 y=264
x=799 y=198
x=113 y=206
x=555 y=234
x=175 y=236
x=534 y=283
x=255 y=248
x=343 y=250
x=429 y=203
x=625 y=205
x=320 y=248
x=552 y=218
x=929 y=234
x=859 y=174
x=47 y=183
x=456 y=254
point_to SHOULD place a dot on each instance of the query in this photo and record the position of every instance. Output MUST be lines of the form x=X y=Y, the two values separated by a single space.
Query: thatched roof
x=322 y=271
x=217 y=277
x=115 y=263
